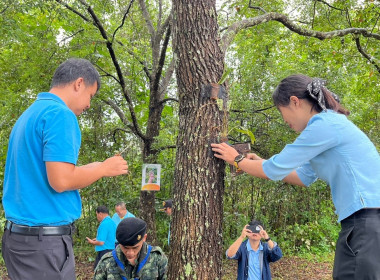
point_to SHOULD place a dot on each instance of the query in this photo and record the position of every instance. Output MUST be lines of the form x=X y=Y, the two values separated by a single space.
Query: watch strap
x=239 y=158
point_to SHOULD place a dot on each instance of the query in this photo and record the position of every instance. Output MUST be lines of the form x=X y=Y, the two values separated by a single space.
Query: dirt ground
x=288 y=268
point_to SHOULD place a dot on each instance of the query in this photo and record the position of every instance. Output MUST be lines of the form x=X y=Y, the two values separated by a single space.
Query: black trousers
x=357 y=254
x=42 y=258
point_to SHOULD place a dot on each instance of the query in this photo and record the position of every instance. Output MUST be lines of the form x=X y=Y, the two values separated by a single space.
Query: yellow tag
x=138 y=237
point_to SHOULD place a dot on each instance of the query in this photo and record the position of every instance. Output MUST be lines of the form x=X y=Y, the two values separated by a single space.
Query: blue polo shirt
x=254 y=271
x=47 y=131
x=333 y=149
x=107 y=234
x=116 y=219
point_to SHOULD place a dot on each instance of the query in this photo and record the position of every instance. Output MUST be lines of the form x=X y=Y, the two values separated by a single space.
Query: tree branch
x=161 y=61
x=4 y=10
x=119 y=129
x=73 y=10
x=254 y=111
x=123 y=20
x=71 y=36
x=166 y=80
x=148 y=21
x=111 y=51
x=143 y=63
x=332 y=7
x=164 y=148
x=122 y=117
x=168 y=99
x=256 y=7
x=367 y=56
x=236 y=27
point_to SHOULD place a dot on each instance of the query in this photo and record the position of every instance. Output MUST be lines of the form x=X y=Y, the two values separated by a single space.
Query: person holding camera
x=332 y=148
x=254 y=256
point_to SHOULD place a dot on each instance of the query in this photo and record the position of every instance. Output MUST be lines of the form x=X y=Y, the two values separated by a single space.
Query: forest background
x=134 y=45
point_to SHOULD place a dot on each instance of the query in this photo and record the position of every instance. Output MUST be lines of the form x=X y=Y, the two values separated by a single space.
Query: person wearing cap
x=167 y=208
x=254 y=256
x=133 y=258
x=121 y=213
x=106 y=234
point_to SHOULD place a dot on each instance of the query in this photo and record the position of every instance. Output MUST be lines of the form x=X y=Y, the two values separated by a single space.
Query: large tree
x=198 y=187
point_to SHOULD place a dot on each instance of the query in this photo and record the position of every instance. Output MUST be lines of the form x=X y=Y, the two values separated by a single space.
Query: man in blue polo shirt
x=106 y=235
x=41 y=180
x=121 y=213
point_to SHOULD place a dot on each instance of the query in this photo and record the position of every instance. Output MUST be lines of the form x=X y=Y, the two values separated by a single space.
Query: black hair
x=296 y=85
x=75 y=68
x=102 y=209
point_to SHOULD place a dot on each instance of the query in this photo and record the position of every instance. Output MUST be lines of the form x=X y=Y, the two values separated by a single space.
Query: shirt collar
x=249 y=248
x=50 y=96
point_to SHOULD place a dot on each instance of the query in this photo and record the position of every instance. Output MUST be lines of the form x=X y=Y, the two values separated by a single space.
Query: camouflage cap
x=130 y=231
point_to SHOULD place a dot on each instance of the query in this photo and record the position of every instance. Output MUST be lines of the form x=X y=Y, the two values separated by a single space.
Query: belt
x=38 y=231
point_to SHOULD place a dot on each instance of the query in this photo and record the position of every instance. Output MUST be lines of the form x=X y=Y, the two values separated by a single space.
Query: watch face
x=239 y=158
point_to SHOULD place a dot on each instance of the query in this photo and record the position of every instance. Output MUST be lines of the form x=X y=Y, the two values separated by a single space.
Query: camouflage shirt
x=154 y=268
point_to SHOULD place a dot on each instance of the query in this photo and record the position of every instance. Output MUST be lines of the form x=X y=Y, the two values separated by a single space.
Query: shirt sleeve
x=316 y=138
x=231 y=258
x=102 y=233
x=306 y=174
x=61 y=137
x=237 y=254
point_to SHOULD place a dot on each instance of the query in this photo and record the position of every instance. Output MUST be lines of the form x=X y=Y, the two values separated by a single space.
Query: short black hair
x=102 y=209
x=75 y=68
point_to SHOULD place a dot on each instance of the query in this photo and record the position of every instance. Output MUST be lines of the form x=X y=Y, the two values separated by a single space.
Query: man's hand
x=263 y=233
x=65 y=176
x=91 y=241
x=245 y=232
x=114 y=166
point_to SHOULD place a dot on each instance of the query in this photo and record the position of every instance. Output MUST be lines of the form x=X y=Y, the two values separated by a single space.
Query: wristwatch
x=238 y=159
x=266 y=240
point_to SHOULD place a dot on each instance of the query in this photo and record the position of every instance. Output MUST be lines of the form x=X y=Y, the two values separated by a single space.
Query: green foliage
x=316 y=238
x=35 y=36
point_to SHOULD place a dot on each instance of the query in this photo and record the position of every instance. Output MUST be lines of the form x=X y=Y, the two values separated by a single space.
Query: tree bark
x=196 y=229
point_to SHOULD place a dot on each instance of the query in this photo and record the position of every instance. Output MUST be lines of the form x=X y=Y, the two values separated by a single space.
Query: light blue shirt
x=47 y=131
x=107 y=234
x=333 y=149
x=116 y=219
x=254 y=270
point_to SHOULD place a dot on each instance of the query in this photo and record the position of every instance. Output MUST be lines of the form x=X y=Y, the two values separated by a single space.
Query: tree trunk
x=196 y=229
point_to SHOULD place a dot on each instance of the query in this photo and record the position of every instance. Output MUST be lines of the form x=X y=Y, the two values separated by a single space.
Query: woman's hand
x=224 y=152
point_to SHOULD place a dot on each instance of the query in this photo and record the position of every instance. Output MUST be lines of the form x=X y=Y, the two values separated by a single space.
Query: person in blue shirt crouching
x=254 y=256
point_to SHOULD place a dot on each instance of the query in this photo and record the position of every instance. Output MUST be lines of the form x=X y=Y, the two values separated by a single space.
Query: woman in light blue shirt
x=332 y=148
